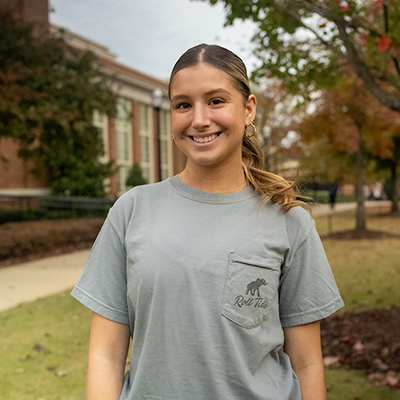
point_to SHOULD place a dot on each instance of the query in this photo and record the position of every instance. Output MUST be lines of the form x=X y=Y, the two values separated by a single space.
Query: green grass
x=377 y=219
x=344 y=384
x=367 y=273
x=43 y=350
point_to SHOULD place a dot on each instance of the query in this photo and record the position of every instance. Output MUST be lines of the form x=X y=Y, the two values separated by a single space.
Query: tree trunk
x=394 y=174
x=394 y=184
x=359 y=188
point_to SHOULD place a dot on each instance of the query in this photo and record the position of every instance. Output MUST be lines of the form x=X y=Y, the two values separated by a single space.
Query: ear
x=251 y=106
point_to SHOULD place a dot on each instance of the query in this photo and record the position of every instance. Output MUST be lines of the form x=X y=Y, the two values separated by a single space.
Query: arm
x=303 y=345
x=108 y=348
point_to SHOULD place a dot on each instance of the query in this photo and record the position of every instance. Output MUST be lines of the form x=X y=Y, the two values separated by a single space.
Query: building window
x=146 y=142
x=100 y=121
x=165 y=145
x=123 y=128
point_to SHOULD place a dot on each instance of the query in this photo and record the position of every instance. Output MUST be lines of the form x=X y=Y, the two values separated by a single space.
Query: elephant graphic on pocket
x=254 y=286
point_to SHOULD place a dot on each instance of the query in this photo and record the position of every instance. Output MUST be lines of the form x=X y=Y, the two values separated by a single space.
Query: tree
x=391 y=161
x=135 y=176
x=48 y=94
x=274 y=106
x=349 y=121
x=308 y=42
x=276 y=111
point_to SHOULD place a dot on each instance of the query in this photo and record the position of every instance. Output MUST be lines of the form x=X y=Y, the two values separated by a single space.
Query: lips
x=204 y=139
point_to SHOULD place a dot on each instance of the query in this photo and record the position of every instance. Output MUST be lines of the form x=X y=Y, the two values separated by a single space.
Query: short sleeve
x=102 y=286
x=308 y=291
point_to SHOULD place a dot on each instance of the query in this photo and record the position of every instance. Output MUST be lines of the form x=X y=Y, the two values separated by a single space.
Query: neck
x=214 y=180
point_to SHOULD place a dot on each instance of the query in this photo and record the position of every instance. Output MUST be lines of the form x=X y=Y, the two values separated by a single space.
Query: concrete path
x=325 y=209
x=32 y=280
x=35 y=279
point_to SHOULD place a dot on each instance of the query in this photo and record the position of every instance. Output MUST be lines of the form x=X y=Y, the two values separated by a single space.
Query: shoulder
x=136 y=198
x=298 y=216
x=149 y=191
x=299 y=224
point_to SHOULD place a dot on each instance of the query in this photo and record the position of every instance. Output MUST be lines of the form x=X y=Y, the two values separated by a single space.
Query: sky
x=150 y=35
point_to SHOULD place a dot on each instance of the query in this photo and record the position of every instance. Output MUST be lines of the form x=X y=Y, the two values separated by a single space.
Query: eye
x=182 y=106
x=216 y=102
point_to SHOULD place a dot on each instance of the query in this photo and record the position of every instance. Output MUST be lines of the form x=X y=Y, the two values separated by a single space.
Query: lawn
x=43 y=344
x=367 y=271
x=43 y=350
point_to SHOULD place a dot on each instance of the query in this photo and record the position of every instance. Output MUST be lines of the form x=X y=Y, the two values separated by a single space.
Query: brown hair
x=270 y=186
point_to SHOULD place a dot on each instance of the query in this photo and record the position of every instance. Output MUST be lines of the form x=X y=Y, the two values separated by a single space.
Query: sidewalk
x=32 y=280
x=325 y=209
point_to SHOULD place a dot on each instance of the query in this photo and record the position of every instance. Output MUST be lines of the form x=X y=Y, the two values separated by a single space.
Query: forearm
x=104 y=378
x=303 y=345
x=312 y=381
x=108 y=348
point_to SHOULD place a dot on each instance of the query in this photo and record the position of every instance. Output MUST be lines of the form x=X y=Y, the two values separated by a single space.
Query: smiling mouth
x=205 y=139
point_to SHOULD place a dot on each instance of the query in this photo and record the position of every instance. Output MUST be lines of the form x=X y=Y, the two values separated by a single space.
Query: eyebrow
x=210 y=93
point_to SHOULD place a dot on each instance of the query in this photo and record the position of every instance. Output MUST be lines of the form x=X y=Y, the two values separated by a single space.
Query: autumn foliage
x=310 y=43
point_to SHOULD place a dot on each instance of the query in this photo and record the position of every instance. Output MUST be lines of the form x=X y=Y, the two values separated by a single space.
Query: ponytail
x=270 y=186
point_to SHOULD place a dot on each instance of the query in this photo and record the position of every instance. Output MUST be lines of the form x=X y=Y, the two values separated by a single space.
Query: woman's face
x=209 y=116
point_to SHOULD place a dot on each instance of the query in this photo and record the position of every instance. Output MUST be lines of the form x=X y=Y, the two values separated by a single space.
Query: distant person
x=333 y=189
x=217 y=274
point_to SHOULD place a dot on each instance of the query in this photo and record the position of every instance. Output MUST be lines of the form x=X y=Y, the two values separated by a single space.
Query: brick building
x=140 y=133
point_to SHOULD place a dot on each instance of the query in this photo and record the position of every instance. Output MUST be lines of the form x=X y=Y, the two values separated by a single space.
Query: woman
x=213 y=272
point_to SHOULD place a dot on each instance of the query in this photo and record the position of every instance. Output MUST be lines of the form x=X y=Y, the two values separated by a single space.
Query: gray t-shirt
x=206 y=282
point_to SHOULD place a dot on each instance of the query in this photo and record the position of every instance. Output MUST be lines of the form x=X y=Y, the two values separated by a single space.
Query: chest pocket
x=250 y=288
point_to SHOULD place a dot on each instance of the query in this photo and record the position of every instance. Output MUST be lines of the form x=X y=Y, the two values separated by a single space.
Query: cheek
x=178 y=124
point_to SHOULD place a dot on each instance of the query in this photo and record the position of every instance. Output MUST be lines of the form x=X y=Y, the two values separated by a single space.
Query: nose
x=201 y=118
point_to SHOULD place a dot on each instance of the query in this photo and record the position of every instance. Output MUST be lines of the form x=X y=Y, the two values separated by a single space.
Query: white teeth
x=205 y=139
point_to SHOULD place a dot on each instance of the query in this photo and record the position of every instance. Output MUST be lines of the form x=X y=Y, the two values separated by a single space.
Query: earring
x=172 y=136
x=254 y=130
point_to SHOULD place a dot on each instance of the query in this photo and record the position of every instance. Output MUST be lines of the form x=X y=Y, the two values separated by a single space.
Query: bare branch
x=327 y=44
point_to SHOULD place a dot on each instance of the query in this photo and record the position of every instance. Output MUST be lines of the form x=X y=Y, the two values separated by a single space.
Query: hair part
x=217 y=57
x=270 y=186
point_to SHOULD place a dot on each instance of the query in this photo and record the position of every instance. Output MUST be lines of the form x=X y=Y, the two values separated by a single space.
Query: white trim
x=146 y=133
x=123 y=133
x=165 y=137
x=100 y=121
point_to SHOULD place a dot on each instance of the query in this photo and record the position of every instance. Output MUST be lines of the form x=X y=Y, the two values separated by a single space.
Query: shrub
x=23 y=239
x=135 y=176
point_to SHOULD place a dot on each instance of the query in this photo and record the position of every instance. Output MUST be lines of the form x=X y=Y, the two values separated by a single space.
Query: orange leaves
x=384 y=42
x=343 y=115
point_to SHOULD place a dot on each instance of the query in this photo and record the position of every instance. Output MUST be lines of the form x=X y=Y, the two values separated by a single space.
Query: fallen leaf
x=38 y=347
x=358 y=346
x=393 y=379
x=381 y=365
x=25 y=358
x=331 y=360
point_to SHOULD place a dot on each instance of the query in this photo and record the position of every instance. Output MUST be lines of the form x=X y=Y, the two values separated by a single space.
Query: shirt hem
x=100 y=308
x=312 y=315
